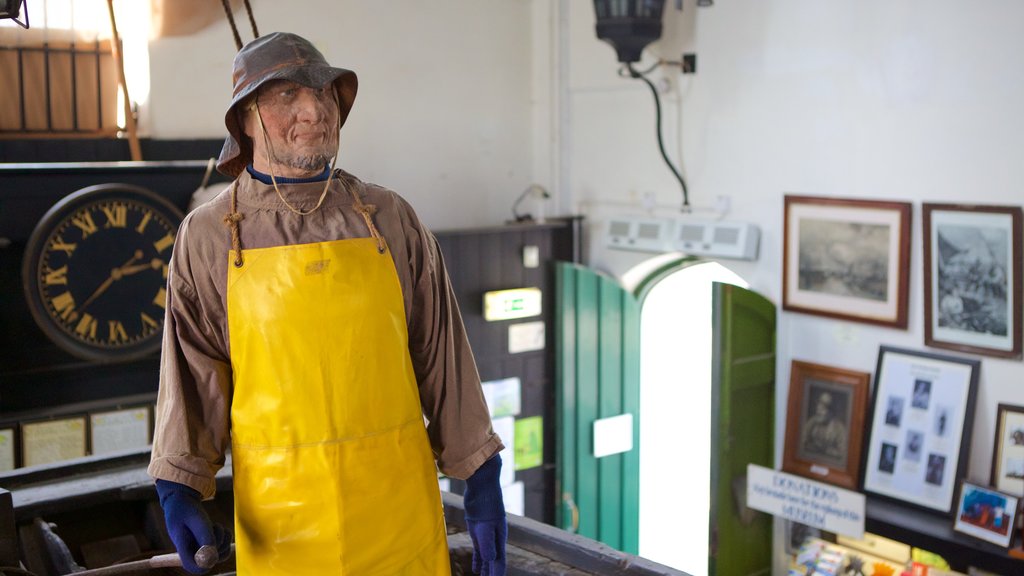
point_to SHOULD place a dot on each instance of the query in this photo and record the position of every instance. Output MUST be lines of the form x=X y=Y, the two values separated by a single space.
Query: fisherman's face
x=301 y=124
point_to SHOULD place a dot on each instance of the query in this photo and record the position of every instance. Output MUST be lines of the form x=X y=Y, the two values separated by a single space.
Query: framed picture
x=824 y=421
x=921 y=419
x=118 y=430
x=847 y=259
x=986 y=514
x=1008 y=450
x=972 y=278
x=55 y=440
x=8 y=449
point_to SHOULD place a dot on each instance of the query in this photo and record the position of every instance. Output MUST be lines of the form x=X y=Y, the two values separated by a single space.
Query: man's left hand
x=485 y=518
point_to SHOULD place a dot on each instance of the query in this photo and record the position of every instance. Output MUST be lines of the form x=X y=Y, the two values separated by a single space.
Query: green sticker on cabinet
x=529 y=442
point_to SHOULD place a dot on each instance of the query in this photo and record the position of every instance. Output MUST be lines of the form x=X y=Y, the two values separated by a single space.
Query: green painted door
x=597 y=350
x=597 y=347
x=743 y=424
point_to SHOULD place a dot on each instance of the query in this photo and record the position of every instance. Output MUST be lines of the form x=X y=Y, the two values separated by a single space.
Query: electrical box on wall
x=722 y=239
x=712 y=238
x=641 y=234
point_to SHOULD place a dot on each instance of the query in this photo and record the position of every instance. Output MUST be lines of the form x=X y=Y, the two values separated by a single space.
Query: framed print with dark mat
x=972 y=278
x=847 y=259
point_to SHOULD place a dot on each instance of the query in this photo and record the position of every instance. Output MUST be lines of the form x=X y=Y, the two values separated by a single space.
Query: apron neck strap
x=231 y=220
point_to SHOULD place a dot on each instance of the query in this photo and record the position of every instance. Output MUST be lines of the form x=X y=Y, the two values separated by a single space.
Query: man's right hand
x=189 y=526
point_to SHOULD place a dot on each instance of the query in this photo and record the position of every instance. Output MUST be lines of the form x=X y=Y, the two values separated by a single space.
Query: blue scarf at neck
x=265 y=178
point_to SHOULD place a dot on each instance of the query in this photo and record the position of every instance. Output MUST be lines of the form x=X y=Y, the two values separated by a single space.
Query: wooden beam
x=129 y=118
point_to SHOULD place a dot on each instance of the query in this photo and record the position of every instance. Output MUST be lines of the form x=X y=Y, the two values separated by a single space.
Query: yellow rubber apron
x=333 y=472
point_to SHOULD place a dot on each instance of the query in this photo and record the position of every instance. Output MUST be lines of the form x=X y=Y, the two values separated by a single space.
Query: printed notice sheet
x=53 y=440
x=120 y=430
x=6 y=449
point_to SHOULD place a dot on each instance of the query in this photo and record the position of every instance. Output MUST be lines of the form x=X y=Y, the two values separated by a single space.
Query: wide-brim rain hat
x=277 y=56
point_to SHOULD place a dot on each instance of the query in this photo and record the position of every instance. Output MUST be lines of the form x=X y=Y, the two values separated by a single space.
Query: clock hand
x=154 y=264
x=129 y=270
x=115 y=274
x=102 y=288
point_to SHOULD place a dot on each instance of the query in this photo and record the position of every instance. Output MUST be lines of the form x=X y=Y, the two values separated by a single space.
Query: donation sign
x=806 y=501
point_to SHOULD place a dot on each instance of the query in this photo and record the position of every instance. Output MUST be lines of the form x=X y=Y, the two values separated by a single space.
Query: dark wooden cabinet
x=485 y=259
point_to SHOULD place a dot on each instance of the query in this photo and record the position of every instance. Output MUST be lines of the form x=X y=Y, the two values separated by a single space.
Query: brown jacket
x=194 y=402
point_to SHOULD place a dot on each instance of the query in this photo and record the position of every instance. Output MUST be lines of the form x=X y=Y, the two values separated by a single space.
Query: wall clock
x=95 y=271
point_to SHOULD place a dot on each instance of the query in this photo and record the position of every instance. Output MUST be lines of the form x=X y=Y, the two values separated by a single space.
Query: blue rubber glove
x=485 y=518
x=188 y=524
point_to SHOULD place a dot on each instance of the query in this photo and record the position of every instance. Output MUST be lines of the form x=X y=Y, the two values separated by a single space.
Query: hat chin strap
x=270 y=153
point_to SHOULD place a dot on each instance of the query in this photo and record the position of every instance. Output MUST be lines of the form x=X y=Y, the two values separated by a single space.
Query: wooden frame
x=1008 y=450
x=920 y=430
x=824 y=418
x=972 y=278
x=987 y=514
x=847 y=259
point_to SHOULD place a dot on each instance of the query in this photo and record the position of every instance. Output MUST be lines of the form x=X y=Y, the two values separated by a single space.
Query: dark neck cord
x=661 y=144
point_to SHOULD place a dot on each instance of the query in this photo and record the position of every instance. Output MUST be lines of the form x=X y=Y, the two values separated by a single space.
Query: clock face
x=95 y=271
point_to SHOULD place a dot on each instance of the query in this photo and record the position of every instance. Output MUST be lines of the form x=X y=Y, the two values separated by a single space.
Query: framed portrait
x=987 y=514
x=972 y=278
x=847 y=259
x=1008 y=450
x=825 y=418
x=920 y=426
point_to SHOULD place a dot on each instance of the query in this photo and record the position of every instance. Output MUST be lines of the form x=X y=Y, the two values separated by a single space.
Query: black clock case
x=38 y=243
x=35 y=373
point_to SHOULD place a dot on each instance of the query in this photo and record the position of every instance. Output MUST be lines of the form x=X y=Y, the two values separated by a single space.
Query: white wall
x=443 y=114
x=911 y=100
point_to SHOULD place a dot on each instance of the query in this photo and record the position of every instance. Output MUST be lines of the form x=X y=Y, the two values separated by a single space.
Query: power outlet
x=689 y=63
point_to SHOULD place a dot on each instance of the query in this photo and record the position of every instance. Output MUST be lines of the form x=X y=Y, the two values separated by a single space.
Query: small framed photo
x=1008 y=450
x=972 y=278
x=825 y=417
x=920 y=427
x=987 y=514
x=847 y=259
